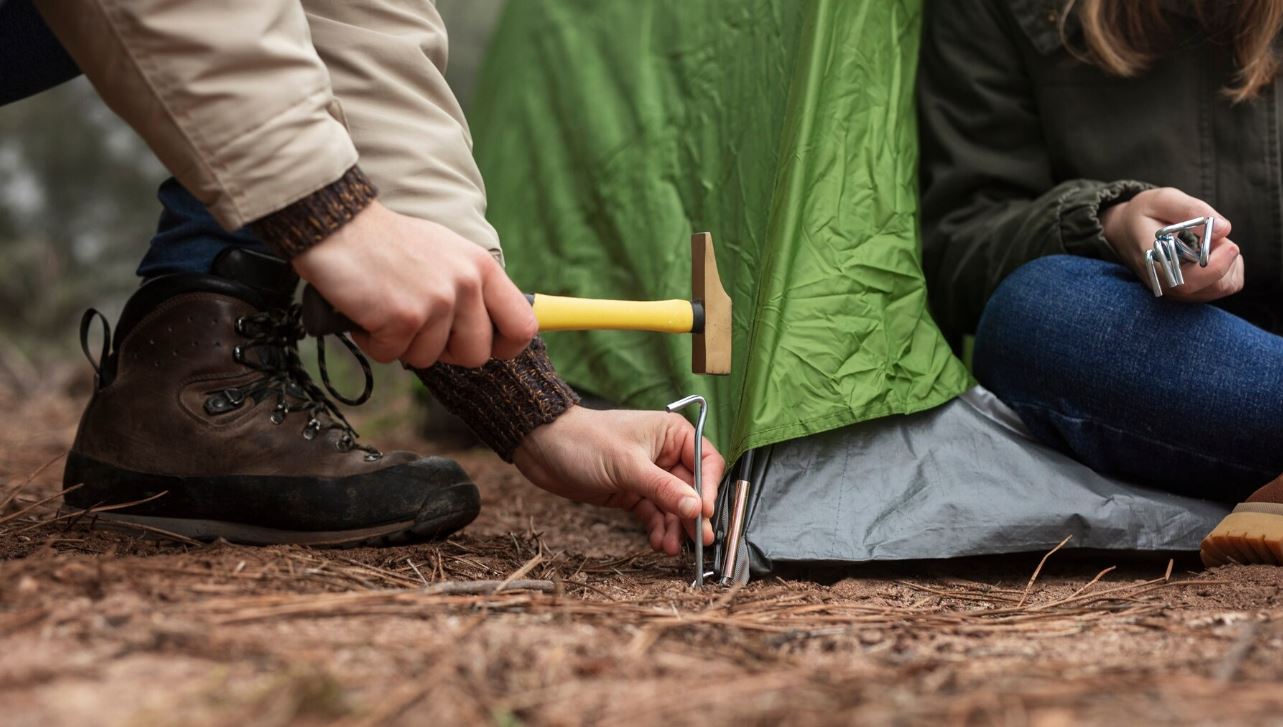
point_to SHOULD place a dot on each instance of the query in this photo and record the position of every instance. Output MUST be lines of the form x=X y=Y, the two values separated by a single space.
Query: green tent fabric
x=608 y=132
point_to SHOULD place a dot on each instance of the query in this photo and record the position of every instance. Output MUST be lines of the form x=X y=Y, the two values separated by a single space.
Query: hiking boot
x=204 y=423
x=1252 y=533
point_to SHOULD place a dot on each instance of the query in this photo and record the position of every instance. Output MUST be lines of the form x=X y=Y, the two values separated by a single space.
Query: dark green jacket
x=1022 y=146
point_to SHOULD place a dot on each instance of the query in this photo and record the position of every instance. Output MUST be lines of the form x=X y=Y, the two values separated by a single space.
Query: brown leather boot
x=1252 y=533
x=204 y=418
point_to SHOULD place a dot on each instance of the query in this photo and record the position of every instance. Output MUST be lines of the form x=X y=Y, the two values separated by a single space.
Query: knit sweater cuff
x=503 y=401
x=301 y=225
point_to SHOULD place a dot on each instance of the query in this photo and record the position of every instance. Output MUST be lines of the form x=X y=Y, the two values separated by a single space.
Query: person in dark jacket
x=1057 y=136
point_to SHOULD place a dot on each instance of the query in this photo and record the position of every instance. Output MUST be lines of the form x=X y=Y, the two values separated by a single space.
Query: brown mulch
x=549 y=613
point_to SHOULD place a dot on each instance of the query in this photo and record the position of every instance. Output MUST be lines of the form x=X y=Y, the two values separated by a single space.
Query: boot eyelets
x=238 y=355
x=310 y=431
x=221 y=402
x=217 y=404
x=278 y=416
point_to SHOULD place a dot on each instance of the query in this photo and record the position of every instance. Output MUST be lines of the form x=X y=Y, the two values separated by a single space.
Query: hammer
x=707 y=315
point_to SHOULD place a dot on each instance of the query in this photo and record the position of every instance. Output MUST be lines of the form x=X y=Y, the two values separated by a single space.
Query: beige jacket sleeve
x=387 y=61
x=230 y=95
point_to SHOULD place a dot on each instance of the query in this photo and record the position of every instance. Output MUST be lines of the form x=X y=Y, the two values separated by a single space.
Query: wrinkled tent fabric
x=608 y=132
x=962 y=479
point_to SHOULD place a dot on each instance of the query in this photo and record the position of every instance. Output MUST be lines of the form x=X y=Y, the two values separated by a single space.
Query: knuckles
x=405 y=316
x=468 y=284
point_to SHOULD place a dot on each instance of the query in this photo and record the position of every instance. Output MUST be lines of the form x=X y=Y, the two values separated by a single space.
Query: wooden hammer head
x=711 y=347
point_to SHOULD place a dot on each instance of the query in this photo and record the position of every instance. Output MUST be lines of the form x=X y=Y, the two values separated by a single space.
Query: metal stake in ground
x=699 y=477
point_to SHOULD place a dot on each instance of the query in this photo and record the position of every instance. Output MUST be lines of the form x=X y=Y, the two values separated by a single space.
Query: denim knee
x=1131 y=384
x=1023 y=317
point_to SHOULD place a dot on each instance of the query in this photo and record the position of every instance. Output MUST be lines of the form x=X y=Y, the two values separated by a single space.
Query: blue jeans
x=187 y=237
x=1183 y=397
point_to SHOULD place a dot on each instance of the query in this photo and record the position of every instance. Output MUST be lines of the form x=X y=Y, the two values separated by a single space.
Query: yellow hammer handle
x=557 y=313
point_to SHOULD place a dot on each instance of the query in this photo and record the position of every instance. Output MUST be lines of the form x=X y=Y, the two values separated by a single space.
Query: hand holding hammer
x=706 y=316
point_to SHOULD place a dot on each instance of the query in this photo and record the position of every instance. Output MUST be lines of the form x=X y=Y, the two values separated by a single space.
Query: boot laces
x=271 y=348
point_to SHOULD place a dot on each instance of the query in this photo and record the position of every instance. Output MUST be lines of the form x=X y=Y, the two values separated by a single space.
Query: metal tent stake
x=699 y=478
x=1170 y=249
x=731 y=564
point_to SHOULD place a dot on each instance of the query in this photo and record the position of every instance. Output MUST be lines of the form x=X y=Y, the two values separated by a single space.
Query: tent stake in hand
x=1169 y=250
x=699 y=477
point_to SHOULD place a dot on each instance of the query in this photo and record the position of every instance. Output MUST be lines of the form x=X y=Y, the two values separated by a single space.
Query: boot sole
x=398 y=533
x=1251 y=534
x=435 y=500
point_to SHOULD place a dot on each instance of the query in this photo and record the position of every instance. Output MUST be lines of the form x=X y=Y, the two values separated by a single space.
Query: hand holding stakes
x=1169 y=250
x=699 y=477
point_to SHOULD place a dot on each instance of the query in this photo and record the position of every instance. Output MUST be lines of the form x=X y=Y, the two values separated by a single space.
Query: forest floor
x=104 y=627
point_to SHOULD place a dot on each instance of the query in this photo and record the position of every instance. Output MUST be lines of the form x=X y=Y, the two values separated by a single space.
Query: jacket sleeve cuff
x=293 y=229
x=1078 y=214
x=503 y=401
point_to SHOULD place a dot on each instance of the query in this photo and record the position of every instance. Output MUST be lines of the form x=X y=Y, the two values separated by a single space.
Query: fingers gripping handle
x=554 y=313
x=322 y=319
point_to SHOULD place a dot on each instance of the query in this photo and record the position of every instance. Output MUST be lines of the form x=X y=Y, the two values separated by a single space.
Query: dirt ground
x=101 y=627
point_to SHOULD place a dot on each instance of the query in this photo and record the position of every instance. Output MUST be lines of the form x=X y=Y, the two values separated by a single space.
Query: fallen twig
x=36 y=504
x=18 y=488
x=1029 y=586
x=125 y=524
x=97 y=509
x=415 y=568
x=480 y=588
x=1088 y=585
x=523 y=570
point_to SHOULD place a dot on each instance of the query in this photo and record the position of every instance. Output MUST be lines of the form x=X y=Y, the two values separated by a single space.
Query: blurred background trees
x=77 y=200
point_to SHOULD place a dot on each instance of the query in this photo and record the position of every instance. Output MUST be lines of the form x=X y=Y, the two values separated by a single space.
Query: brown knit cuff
x=292 y=230
x=503 y=401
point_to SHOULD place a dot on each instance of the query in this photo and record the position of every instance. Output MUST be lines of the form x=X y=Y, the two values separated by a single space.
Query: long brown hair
x=1123 y=37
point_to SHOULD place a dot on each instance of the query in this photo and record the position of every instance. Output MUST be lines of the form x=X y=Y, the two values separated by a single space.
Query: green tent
x=608 y=132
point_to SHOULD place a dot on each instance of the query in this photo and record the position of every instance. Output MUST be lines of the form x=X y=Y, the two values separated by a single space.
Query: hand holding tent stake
x=707 y=315
x=1169 y=249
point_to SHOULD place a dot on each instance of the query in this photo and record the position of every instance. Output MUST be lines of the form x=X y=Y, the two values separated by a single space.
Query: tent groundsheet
x=962 y=479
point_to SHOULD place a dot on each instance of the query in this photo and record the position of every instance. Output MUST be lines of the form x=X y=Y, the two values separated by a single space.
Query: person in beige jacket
x=318 y=139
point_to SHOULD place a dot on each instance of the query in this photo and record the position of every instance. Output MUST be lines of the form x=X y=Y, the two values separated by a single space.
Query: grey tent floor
x=962 y=479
